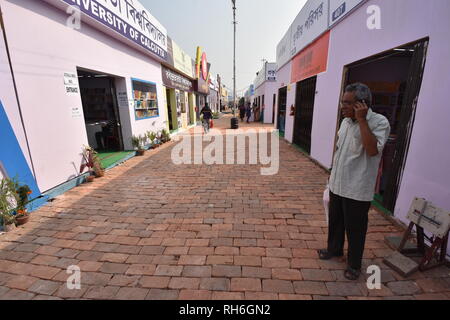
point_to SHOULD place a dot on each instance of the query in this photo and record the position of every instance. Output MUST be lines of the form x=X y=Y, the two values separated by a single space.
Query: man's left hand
x=361 y=110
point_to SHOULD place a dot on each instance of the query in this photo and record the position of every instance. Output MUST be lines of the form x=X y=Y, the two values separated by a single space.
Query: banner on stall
x=311 y=61
x=129 y=18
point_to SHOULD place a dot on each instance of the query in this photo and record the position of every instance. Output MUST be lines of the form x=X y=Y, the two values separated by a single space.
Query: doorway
x=101 y=112
x=169 y=109
x=304 y=112
x=273 y=107
x=282 y=100
x=262 y=109
x=395 y=78
x=191 y=100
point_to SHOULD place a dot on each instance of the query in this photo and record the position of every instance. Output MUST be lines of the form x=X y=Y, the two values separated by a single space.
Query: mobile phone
x=363 y=101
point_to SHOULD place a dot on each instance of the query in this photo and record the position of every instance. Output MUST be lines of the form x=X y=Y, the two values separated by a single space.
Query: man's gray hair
x=362 y=92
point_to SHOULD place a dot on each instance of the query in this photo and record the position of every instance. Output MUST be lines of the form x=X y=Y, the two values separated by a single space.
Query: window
x=145 y=99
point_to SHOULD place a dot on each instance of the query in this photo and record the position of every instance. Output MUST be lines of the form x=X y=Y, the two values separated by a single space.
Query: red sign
x=204 y=66
x=312 y=60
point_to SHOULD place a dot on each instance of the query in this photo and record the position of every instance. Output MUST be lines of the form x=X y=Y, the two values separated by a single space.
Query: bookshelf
x=145 y=100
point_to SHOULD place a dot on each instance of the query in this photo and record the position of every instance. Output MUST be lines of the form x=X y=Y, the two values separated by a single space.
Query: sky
x=208 y=23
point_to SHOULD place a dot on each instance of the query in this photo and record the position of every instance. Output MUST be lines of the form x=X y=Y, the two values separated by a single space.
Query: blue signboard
x=338 y=12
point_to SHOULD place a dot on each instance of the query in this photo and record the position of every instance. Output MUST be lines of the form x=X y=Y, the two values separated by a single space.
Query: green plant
x=165 y=135
x=159 y=136
x=23 y=193
x=136 y=141
x=152 y=136
x=143 y=140
x=9 y=198
x=215 y=115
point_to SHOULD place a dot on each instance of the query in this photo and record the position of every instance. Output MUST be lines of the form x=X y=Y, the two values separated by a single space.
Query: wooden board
x=429 y=217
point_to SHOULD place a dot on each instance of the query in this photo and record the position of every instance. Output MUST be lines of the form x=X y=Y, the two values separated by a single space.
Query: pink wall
x=42 y=49
x=426 y=173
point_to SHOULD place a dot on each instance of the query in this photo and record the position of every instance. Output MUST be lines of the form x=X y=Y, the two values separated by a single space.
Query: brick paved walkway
x=153 y=230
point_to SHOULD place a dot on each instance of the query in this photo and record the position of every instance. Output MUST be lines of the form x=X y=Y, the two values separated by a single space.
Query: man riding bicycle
x=207 y=116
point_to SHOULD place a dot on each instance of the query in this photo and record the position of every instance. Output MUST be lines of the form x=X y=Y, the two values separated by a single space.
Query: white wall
x=42 y=49
x=268 y=89
x=283 y=80
x=289 y=131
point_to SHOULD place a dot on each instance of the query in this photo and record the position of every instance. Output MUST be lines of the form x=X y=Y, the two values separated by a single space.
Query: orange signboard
x=312 y=60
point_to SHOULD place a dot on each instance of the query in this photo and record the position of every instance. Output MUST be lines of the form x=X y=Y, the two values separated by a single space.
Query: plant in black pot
x=23 y=215
x=138 y=144
x=165 y=136
x=158 y=139
x=152 y=137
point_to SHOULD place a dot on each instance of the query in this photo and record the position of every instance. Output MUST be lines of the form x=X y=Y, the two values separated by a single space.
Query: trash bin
x=234 y=123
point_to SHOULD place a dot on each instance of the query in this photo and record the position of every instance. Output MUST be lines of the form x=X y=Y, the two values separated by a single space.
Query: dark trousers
x=348 y=217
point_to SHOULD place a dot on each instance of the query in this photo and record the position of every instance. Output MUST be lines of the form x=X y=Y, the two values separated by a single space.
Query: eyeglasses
x=347 y=103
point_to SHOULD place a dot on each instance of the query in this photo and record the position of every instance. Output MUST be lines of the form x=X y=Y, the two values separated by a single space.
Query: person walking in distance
x=248 y=112
x=207 y=116
x=242 y=111
x=361 y=139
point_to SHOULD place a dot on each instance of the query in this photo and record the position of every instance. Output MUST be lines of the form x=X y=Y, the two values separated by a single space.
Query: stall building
x=399 y=49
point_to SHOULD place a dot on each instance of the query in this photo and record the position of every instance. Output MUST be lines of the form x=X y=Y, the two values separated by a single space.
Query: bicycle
x=205 y=124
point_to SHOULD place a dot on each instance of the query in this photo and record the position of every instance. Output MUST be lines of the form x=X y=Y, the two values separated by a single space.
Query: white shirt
x=354 y=172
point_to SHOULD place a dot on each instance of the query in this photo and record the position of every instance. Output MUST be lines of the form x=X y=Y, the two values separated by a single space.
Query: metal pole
x=234 y=60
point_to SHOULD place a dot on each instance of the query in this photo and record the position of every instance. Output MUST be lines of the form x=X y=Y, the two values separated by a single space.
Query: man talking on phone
x=361 y=139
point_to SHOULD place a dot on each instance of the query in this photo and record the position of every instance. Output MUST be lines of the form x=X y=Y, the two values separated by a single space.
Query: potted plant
x=149 y=136
x=159 y=138
x=9 y=199
x=152 y=137
x=23 y=215
x=89 y=161
x=138 y=144
x=98 y=169
x=165 y=136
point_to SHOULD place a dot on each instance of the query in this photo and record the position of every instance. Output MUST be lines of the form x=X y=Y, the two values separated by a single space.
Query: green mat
x=378 y=203
x=110 y=158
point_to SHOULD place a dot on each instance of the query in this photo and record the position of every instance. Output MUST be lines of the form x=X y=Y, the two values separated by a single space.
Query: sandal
x=325 y=255
x=352 y=274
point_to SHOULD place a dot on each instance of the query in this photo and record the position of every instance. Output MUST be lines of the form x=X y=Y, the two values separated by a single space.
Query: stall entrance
x=282 y=100
x=101 y=113
x=395 y=78
x=169 y=99
x=304 y=111
x=273 y=107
